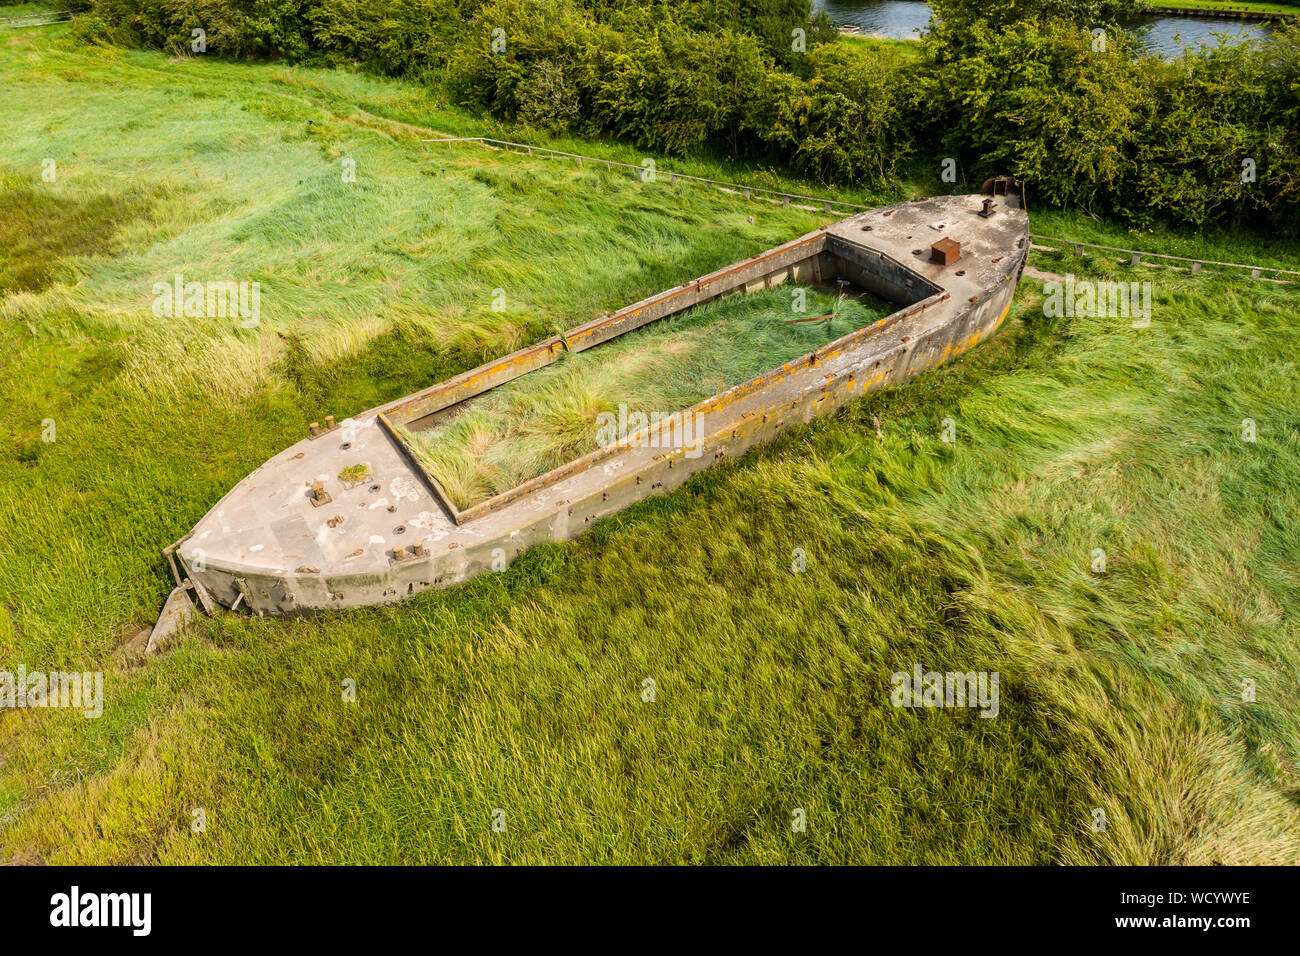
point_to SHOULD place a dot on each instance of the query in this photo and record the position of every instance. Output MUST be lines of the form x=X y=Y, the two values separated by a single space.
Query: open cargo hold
x=494 y=442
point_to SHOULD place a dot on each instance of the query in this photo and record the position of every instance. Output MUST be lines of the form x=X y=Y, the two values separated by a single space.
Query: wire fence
x=749 y=192
x=1136 y=256
x=34 y=20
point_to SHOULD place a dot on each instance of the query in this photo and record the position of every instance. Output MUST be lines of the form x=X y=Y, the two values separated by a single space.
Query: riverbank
x=1255 y=12
x=1168 y=31
x=908 y=47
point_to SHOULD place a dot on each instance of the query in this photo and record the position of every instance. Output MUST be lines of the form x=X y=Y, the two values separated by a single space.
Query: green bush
x=395 y=37
x=1004 y=86
x=90 y=28
x=238 y=29
x=850 y=121
x=1039 y=102
x=677 y=90
x=543 y=74
x=637 y=73
x=1111 y=131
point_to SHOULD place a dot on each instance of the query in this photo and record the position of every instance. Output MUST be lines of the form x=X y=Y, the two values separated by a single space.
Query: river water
x=905 y=19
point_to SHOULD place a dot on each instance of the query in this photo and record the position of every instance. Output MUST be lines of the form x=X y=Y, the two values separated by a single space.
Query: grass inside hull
x=498 y=440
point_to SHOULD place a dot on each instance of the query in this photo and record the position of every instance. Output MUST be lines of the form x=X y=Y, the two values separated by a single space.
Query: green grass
x=1079 y=227
x=42 y=229
x=527 y=427
x=1230 y=5
x=523 y=691
x=908 y=48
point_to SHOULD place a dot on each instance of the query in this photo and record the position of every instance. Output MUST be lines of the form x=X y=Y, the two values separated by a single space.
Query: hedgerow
x=1049 y=91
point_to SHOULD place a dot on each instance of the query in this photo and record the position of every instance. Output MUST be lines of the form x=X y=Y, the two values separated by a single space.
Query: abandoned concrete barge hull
x=311 y=530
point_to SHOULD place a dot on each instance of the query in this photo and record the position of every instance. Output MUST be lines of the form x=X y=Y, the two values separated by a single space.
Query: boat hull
x=272 y=546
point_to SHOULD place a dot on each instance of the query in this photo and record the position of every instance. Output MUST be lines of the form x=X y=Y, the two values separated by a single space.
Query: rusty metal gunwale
x=588 y=329
x=717 y=400
x=412 y=459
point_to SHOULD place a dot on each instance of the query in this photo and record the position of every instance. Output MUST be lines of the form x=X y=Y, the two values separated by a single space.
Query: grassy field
x=524 y=692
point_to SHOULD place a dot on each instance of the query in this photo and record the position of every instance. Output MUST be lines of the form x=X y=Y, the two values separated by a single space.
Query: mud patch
x=131 y=650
